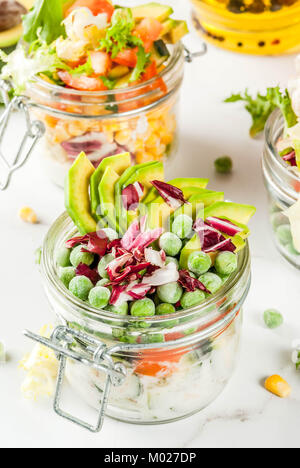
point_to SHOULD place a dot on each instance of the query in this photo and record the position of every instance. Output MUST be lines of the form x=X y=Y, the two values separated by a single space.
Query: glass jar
x=265 y=27
x=283 y=186
x=175 y=366
x=140 y=119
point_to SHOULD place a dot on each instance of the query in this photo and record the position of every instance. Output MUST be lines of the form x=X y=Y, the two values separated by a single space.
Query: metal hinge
x=34 y=131
x=190 y=56
x=97 y=356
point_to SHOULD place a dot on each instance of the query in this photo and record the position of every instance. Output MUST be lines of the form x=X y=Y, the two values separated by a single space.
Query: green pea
x=119 y=310
x=223 y=165
x=103 y=264
x=284 y=234
x=192 y=299
x=170 y=243
x=80 y=287
x=273 y=318
x=199 y=262
x=226 y=263
x=291 y=249
x=78 y=257
x=66 y=275
x=211 y=281
x=182 y=226
x=170 y=293
x=165 y=309
x=99 y=297
x=152 y=338
x=143 y=308
x=63 y=257
x=172 y=260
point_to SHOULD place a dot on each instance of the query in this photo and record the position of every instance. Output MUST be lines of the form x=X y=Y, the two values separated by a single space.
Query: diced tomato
x=297 y=186
x=127 y=57
x=149 y=30
x=82 y=83
x=151 y=72
x=96 y=7
x=101 y=62
x=159 y=361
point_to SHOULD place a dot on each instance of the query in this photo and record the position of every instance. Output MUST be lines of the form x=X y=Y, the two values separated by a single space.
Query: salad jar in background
x=175 y=366
x=250 y=26
x=141 y=119
x=283 y=186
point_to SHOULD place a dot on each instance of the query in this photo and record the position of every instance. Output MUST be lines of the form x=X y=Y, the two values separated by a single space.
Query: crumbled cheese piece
x=41 y=366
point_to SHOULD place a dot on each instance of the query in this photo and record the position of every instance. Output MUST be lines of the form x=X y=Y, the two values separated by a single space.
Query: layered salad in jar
x=87 y=64
x=285 y=219
x=154 y=252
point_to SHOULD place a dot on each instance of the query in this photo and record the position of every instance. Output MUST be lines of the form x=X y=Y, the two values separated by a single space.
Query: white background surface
x=245 y=415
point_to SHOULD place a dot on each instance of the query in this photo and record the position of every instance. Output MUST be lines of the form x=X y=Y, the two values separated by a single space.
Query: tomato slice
x=159 y=361
x=149 y=30
x=151 y=72
x=83 y=82
x=101 y=62
x=96 y=7
x=127 y=58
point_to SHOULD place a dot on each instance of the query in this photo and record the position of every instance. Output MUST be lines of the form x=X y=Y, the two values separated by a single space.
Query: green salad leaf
x=86 y=69
x=119 y=34
x=261 y=107
x=44 y=21
x=142 y=61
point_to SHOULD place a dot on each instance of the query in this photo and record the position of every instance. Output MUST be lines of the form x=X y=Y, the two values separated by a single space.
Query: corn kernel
x=277 y=385
x=122 y=137
x=28 y=215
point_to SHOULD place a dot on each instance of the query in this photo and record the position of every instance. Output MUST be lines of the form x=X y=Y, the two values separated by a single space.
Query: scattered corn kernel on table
x=245 y=415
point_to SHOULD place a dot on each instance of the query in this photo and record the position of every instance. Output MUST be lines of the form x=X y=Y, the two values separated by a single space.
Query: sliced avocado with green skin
x=179 y=30
x=152 y=10
x=234 y=211
x=119 y=163
x=158 y=215
x=168 y=25
x=107 y=196
x=144 y=175
x=207 y=197
x=121 y=184
x=77 y=200
x=238 y=242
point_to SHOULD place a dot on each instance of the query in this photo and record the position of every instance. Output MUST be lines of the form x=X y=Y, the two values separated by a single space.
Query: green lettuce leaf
x=44 y=21
x=261 y=107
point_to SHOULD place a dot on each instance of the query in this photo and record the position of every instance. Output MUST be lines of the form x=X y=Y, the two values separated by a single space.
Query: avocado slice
x=178 y=31
x=121 y=184
x=118 y=72
x=77 y=200
x=119 y=163
x=107 y=196
x=233 y=211
x=152 y=10
x=168 y=25
x=297 y=150
x=144 y=175
x=11 y=36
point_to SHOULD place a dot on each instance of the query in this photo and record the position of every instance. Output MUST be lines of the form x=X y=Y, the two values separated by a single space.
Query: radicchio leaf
x=168 y=274
x=144 y=239
x=130 y=236
x=225 y=246
x=114 y=267
x=138 y=291
x=131 y=196
x=97 y=243
x=288 y=157
x=173 y=196
x=76 y=241
x=84 y=270
x=154 y=257
x=116 y=293
x=189 y=283
x=209 y=237
x=223 y=225
x=130 y=271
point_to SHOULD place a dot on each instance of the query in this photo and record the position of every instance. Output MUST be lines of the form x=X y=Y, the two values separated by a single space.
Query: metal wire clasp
x=34 y=131
x=190 y=56
x=96 y=355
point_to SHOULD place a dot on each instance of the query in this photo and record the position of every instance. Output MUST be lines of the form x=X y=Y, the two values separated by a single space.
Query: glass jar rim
x=176 y=54
x=49 y=272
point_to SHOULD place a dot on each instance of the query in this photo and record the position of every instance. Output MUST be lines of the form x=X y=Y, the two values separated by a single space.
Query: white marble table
x=245 y=415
